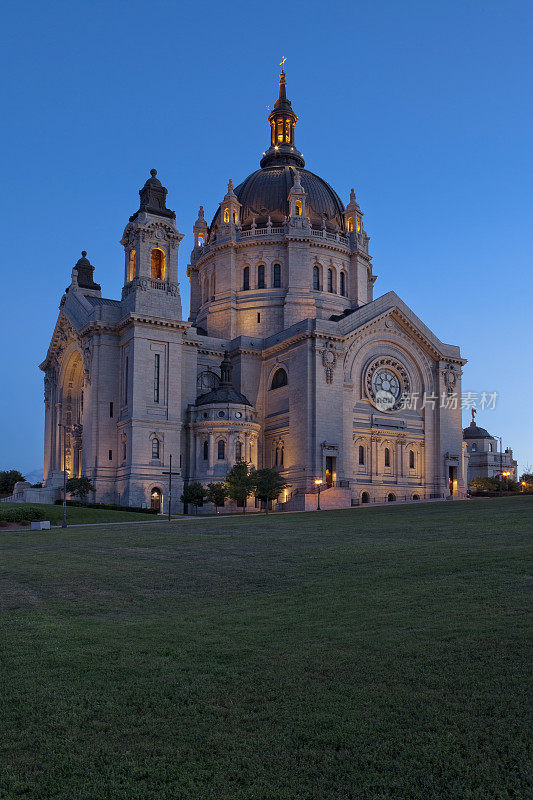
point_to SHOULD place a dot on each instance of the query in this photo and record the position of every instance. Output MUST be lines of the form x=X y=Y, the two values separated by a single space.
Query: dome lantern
x=282 y=122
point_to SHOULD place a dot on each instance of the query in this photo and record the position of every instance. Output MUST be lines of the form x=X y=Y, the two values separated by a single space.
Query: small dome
x=473 y=432
x=265 y=193
x=224 y=394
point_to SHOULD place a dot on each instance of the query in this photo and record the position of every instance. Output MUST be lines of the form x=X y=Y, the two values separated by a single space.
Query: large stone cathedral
x=286 y=359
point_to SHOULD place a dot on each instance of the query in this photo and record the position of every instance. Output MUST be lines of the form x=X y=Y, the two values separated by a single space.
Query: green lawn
x=77 y=515
x=354 y=655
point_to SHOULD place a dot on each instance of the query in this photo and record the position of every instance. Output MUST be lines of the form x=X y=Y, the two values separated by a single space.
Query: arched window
x=391 y=497
x=387 y=457
x=280 y=130
x=350 y=224
x=276 y=276
x=279 y=379
x=238 y=451
x=474 y=447
x=158 y=264
x=201 y=240
x=131 y=265
x=155 y=447
x=281 y=455
x=358 y=224
x=298 y=208
x=411 y=459
x=221 y=449
x=261 y=276
x=226 y=215
x=205 y=450
x=330 y=280
x=343 y=284
x=361 y=454
x=365 y=497
x=234 y=217
x=416 y=497
x=316 y=279
x=276 y=458
x=246 y=278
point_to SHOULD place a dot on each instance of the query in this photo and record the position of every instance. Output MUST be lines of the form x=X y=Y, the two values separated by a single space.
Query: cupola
x=282 y=120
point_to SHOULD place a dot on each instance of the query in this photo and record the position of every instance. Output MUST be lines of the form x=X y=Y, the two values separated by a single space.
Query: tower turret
x=151 y=241
x=230 y=207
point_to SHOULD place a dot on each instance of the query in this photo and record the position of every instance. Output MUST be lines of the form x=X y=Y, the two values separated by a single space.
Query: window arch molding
x=156 y=445
x=158 y=262
x=276 y=275
x=279 y=377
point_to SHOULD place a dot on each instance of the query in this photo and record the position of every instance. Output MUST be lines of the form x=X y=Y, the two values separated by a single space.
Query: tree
x=268 y=485
x=485 y=484
x=216 y=494
x=80 y=487
x=239 y=484
x=527 y=477
x=194 y=494
x=8 y=479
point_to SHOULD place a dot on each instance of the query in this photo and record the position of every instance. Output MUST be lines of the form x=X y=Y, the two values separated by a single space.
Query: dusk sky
x=424 y=108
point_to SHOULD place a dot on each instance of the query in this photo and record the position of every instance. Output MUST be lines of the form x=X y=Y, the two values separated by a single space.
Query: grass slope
x=78 y=515
x=368 y=654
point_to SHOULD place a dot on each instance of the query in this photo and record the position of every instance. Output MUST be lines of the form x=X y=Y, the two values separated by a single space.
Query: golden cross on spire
x=281 y=63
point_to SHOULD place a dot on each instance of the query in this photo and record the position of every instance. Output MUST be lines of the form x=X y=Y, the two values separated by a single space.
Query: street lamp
x=318 y=484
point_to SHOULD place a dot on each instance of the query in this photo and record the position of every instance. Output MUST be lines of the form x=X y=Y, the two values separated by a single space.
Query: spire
x=85 y=272
x=154 y=198
x=282 y=121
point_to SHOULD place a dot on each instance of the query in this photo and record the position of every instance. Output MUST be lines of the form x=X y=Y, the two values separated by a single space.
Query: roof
x=101 y=301
x=473 y=432
x=224 y=394
x=265 y=193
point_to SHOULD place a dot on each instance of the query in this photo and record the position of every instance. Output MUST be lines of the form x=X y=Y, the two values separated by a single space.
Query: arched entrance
x=70 y=413
x=391 y=497
x=365 y=497
x=156 y=499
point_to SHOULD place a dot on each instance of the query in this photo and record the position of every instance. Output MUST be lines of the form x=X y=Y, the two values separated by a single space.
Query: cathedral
x=286 y=359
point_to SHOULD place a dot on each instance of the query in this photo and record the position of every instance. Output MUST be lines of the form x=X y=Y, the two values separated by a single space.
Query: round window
x=221 y=414
x=387 y=383
x=238 y=414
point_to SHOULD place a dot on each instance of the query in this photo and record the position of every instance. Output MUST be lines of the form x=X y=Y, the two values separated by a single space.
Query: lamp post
x=501 y=465
x=318 y=484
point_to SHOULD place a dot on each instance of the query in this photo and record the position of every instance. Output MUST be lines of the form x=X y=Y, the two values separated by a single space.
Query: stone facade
x=485 y=458
x=322 y=376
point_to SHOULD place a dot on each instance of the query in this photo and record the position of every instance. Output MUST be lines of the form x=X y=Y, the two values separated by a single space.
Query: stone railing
x=143 y=284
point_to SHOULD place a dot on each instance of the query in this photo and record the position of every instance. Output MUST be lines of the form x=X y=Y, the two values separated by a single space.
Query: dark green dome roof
x=473 y=432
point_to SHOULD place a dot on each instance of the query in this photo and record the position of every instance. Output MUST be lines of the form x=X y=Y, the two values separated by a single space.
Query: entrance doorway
x=452 y=479
x=155 y=499
x=331 y=471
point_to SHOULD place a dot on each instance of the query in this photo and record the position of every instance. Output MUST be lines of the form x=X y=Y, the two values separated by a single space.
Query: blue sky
x=425 y=108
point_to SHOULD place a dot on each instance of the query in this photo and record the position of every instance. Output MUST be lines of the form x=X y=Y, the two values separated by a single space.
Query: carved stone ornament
x=329 y=360
x=87 y=359
x=450 y=378
x=386 y=383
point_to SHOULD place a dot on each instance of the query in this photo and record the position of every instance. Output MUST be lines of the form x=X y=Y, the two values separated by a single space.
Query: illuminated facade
x=286 y=359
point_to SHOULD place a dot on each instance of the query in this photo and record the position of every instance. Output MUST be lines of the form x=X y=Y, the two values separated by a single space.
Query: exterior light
x=318 y=484
x=275 y=147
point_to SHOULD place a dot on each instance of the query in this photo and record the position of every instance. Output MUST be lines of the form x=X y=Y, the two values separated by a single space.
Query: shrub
x=108 y=506
x=19 y=514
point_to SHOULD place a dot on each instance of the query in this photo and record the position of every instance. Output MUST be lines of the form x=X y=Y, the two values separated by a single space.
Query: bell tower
x=151 y=241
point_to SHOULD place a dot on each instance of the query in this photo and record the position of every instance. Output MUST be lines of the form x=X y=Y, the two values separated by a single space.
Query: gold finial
x=281 y=63
x=474 y=412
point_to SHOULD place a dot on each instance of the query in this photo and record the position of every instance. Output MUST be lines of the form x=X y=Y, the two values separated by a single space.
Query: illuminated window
x=276 y=276
x=343 y=284
x=316 y=279
x=226 y=215
x=287 y=131
x=246 y=278
x=298 y=208
x=158 y=264
x=234 y=217
x=221 y=450
x=206 y=450
x=387 y=457
x=330 y=280
x=361 y=454
x=279 y=379
x=358 y=224
x=201 y=240
x=350 y=224
x=155 y=447
x=238 y=451
x=131 y=265
x=280 y=130
x=261 y=276
x=411 y=459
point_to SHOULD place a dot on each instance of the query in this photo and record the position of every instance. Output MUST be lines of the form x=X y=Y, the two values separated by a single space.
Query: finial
x=201 y=212
x=282 y=64
x=230 y=185
x=83 y=253
x=474 y=412
x=352 y=195
x=153 y=173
